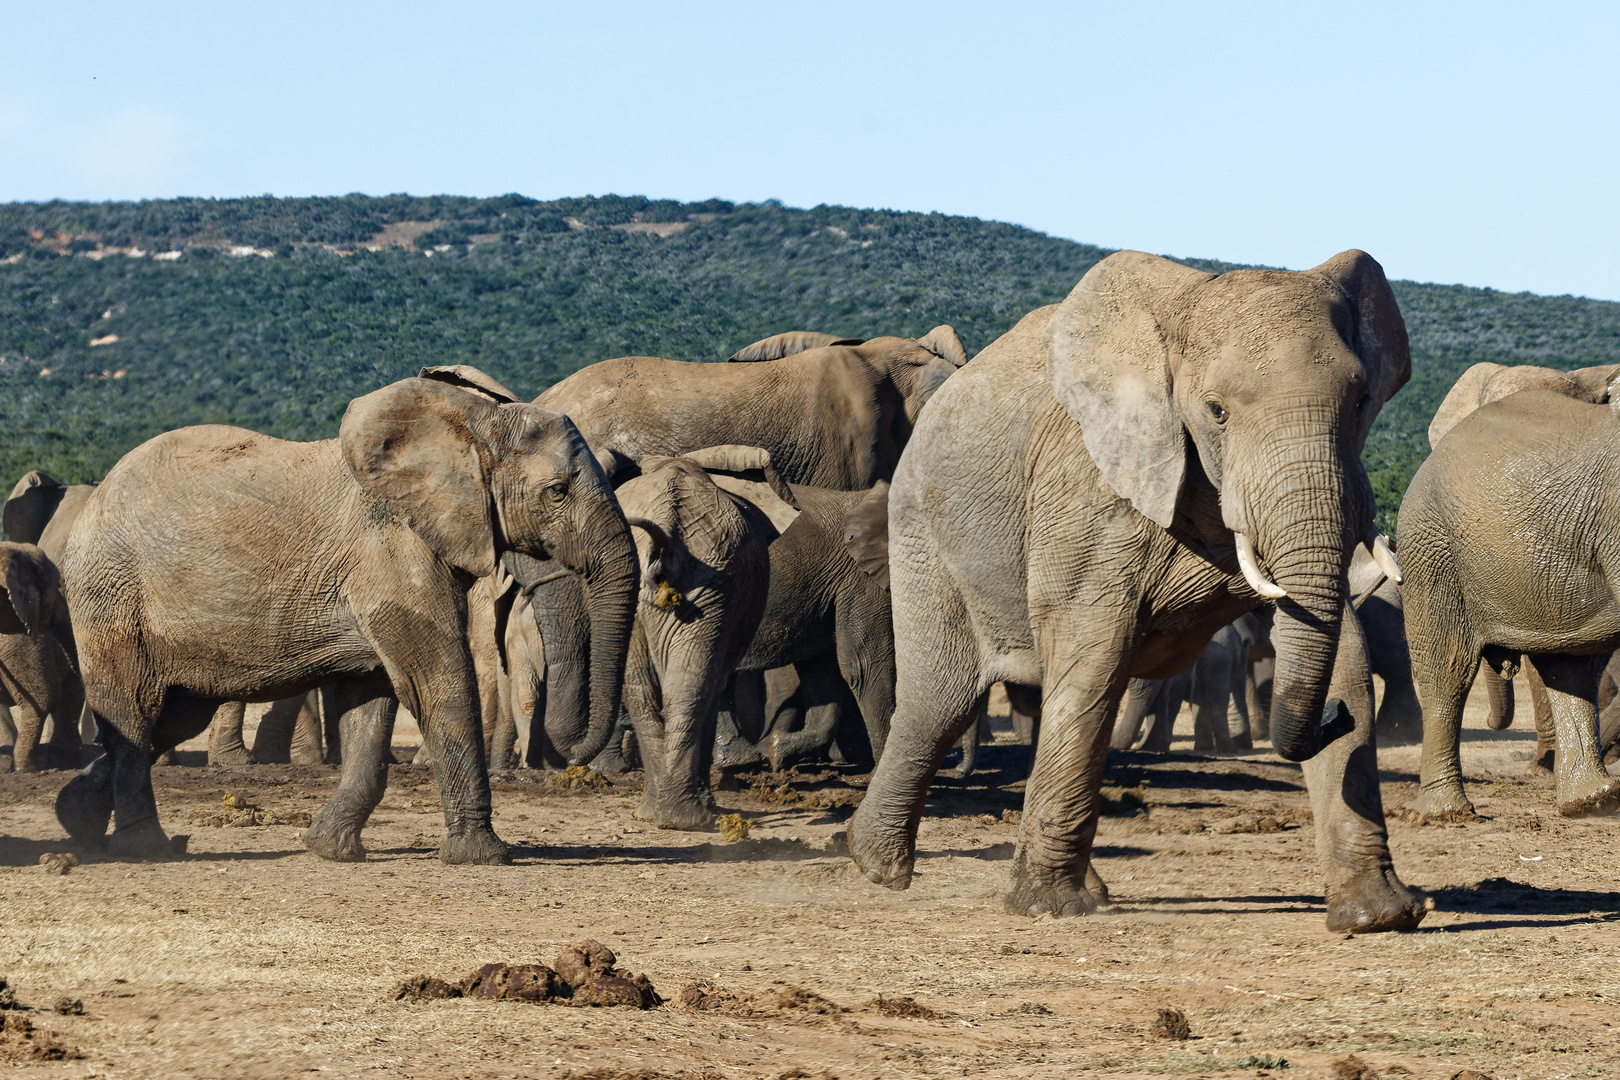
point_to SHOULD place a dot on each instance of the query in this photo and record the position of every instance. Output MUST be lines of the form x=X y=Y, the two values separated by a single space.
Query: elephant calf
x=38 y=669
x=703 y=524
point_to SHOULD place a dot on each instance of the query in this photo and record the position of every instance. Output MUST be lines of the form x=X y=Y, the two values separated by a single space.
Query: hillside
x=121 y=320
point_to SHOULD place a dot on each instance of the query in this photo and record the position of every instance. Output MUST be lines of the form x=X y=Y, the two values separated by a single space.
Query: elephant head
x=475 y=473
x=917 y=367
x=29 y=509
x=1267 y=382
x=33 y=602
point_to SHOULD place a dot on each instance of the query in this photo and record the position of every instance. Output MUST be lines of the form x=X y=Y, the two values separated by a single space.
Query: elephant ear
x=470 y=378
x=746 y=472
x=1380 y=331
x=1108 y=357
x=780 y=345
x=866 y=533
x=33 y=586
x=943 y=343
x=411 y=445
x=29 y=509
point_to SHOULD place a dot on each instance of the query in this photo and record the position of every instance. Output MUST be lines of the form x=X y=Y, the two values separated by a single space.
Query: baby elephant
x=38 y=665
x=703 y=524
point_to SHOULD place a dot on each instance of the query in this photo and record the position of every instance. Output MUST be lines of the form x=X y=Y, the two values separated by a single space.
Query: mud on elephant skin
x=217 y=564
x=39 y=673
x=1097 y=493
x=1510 y=550
x=703 y=524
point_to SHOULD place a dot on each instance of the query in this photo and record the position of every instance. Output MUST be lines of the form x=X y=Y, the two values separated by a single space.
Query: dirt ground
x=251 y=958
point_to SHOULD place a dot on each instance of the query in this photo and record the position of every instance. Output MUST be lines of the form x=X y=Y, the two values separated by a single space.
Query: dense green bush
x=281 y=343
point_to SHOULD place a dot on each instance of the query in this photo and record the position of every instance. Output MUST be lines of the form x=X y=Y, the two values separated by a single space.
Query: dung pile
x=237 y=812
x=579 y=778
x=583 y=974
x=21 y=1041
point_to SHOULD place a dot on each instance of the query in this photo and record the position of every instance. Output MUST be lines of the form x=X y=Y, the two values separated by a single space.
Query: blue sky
x=1457 y=143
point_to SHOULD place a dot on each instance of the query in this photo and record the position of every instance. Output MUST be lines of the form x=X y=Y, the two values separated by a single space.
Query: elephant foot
x=1062 y=898
x=143 y=840
x=84 y=806
x=307 y=757
x=685 y=818
x=889 y=863
x=29 y=764
x=474 y=847
x=736 y=754
x=1540 y=768
x=1444 y=803
x=333 y=840
x=611 y=761
x=790 y=748
x=1374 y=903
x=1601 y=795
x=1096 y=886
x=234 y=755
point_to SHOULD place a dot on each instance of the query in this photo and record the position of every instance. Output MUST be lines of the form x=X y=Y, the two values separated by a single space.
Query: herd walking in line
x=1149 y=493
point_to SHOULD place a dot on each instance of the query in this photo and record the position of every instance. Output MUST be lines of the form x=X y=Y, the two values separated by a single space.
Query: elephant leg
x=1363 y=893
x=865 y=635
x=225 y=745
x=977 y=733
x=937 y=693
x=366 y=708
x=1166 y=706
x=740 y=720
x=1584 y=785
x=1443 y=671
x=305 y=748
x=1087 y=669
x=689 y=690
x=8 y=730
x=1263 y=671
x=1546 y=753
x=272 y=742
x=137 y=833
x=1210 y=691
x=1236 y=670
x=1134 y=707
x=25 y=756
x=1609 y=732
x=1499 y=693
x=84 y=806
x=823 y=695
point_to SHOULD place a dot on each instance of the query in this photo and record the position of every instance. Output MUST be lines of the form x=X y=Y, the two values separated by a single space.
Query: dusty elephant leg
x=272 y=742
x=1095 y=885
x=137 y=833
x=822 y=696
x=1166 y=707
x=8 y=730
x=1443 y=673
x=25 y=755
x=740 y=720
x=1135 y=707
x=225 y=745
x=1088 y=672
x=367 y=708
x=306 y=732
x=1363 y=892
x=1209 y=697
x=1546 y=752
x=937 y=697
x=1584 y=785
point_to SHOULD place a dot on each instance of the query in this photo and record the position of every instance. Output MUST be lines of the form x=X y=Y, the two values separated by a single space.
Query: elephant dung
x=58 y=862
x=1171 y=1024
x=511 y=982
x=578 y=963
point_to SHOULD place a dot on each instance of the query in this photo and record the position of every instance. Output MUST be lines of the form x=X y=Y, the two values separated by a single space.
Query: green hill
x=277 y=311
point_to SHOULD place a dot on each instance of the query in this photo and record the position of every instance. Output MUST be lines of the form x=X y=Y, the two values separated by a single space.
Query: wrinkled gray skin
x=1064 y=518
x=1213 y=682
x=291 y=731
x=1484 y=383
x=705 y=558
x=1509 y=549
x=1383 y=623
x=217 y=564
x=828 y=616
x=38 y=668
x=831 y=413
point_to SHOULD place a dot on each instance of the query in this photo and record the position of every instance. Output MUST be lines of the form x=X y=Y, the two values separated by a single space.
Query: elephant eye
x=557 y=488
x=1361 y=405
x=1217 y=412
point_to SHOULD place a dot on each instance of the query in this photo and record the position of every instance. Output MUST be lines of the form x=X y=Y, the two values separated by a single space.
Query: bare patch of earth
x=251 y=958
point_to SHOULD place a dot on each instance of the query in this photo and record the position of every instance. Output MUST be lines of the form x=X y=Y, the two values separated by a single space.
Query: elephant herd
x=1130 y=499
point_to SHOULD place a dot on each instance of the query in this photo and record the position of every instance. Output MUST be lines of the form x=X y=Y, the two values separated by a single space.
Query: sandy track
x=250 y=958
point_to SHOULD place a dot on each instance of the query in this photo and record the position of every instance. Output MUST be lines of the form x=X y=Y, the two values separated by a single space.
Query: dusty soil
x=251 y=958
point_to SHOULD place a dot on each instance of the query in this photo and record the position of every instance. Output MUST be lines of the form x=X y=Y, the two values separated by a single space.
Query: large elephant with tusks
x=1093 y=496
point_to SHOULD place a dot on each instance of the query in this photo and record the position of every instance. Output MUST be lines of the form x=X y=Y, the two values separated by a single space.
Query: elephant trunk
x=1306 y=533
x=612 y=579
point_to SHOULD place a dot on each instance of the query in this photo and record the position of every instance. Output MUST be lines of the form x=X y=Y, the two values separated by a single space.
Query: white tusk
x=1384 y=557
x=1251 y=570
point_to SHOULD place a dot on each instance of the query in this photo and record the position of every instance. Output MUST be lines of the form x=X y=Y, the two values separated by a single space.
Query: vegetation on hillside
x=122 y=320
